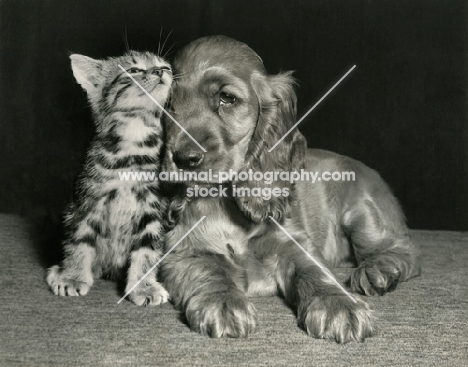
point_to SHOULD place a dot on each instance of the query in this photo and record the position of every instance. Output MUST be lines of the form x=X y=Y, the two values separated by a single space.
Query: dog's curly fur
x=225 y=99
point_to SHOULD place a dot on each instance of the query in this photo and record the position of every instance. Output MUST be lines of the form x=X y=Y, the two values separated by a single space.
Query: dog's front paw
x=336 y=317
x=227 y=314
x=64 y=283
x=148 y=293
x=375 y=277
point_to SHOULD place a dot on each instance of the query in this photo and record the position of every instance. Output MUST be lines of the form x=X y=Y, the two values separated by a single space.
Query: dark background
x=403 y=111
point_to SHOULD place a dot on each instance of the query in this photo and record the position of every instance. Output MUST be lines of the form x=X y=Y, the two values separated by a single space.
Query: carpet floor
x=422 y=323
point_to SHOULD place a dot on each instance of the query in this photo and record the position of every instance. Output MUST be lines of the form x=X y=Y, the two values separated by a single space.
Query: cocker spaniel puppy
x=224 y=99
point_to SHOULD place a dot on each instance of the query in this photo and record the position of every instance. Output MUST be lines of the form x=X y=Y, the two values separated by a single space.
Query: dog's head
x=223 y=98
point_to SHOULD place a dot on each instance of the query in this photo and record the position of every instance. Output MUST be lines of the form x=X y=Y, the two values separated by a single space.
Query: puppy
x=228 y=103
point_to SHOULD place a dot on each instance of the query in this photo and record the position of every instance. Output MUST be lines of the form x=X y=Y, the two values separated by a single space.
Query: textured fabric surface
x=422 y=323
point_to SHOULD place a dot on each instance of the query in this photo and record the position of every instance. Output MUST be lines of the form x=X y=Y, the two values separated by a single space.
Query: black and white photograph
x=233 y=183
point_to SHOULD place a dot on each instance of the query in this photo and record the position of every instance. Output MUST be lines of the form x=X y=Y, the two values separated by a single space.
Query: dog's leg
x=323 y=309
x=205 y=288
x=383 y=250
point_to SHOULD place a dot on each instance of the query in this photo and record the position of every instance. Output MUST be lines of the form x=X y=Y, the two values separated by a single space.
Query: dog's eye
x=134 y=70
x=226 y=99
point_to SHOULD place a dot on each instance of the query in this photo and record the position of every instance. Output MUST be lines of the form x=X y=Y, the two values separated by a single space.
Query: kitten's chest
x=123 y=212
x=120 y=216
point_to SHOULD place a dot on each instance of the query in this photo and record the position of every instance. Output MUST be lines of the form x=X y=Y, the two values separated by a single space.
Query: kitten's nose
x=188 y=158
x=156 y=71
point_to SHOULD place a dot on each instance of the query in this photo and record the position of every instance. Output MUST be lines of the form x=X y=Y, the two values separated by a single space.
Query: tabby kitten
x=114 y=224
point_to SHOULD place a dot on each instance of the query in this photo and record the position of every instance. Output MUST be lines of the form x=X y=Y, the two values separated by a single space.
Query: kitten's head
x=109 y=88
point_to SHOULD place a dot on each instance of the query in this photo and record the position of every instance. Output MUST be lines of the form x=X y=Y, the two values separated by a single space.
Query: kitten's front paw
x=336 y=317
x=148 y=293
x=227 y=314
x=64 y=283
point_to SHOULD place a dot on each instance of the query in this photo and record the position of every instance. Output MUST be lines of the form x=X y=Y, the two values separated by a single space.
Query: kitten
x=113 y=224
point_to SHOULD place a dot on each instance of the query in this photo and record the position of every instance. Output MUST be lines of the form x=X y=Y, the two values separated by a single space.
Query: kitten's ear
x=87 y=71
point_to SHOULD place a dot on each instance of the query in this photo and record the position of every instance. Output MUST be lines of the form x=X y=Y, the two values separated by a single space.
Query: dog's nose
x=188 y=159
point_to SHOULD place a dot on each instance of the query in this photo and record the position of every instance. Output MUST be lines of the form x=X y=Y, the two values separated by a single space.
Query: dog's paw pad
x=62 y=284
x=337 y=318
x=150 y=293
x=222 y=315
x=372 y=278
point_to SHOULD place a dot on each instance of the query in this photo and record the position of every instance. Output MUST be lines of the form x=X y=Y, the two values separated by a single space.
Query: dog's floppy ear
x=277 y=114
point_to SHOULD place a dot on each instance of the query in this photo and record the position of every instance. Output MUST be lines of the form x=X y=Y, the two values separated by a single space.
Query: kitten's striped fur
x=112 y=224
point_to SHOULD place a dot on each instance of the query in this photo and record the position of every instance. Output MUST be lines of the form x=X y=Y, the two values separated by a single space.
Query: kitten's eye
x=159 y=71
x=226 y=99
x=134 y=70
